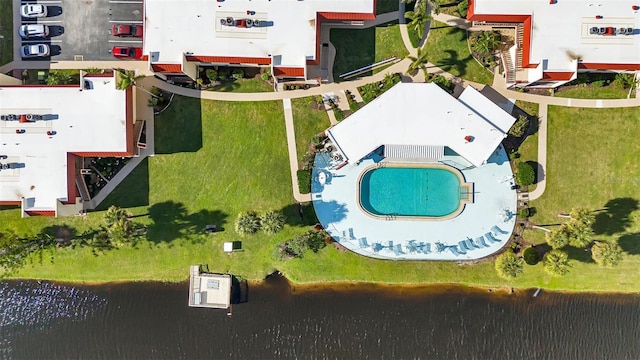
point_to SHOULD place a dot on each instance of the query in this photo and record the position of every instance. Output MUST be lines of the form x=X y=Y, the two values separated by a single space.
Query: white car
x=33 y=10
x=33 y=31
x=34 y=50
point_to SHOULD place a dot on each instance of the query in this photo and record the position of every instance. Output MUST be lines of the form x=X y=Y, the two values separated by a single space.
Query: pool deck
x=494 y=205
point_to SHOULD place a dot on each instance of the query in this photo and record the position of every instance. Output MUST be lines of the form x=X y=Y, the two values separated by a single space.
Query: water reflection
x=152 y=320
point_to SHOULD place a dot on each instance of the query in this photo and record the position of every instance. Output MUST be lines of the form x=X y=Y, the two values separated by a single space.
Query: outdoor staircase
x=519 y=36
x=509 y=69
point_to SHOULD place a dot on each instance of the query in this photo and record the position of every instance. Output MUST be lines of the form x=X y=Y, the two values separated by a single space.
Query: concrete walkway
x=293 y=153
x=541 y=183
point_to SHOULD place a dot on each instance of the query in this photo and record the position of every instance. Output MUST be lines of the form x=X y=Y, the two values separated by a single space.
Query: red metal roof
x=288 y=71
x=41 y=212
x=347 y=16
x=230 y=59
x=557 y=75
x=600 y=66
x=167 y=68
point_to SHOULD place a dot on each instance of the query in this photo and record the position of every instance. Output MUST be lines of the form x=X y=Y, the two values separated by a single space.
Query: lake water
x=40 y=320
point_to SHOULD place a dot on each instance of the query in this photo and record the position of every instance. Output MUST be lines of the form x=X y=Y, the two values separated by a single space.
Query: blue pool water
x=410 y=191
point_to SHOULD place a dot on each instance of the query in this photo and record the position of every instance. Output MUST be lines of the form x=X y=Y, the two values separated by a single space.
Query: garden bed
x=104 y=169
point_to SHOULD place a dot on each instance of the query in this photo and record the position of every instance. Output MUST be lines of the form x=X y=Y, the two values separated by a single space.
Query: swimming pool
x=397 y=190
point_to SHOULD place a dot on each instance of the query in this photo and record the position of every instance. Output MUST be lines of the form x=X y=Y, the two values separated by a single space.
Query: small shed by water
x=208 y=289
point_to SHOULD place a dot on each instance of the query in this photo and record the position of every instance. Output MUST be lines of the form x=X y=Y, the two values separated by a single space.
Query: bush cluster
x=526 y=174
x=248 y=222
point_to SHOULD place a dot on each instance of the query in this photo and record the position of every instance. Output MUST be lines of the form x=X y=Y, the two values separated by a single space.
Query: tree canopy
x=556 y=263
x=508 y=265
x=606 y=253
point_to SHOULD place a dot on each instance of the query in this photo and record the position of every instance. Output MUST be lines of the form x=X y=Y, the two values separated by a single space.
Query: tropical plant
x=579 y=234
x=93 y=71
x=530 y=256
x=581 y=216
x=119 y=226
x=419 y=17
x=237 y=74
x=247 y=223
x=486 y=42
x=212 y=74
x=272 y=221
x=558 y=238
x=419 y=61
x=606 y=253
x=61 y=77
x=462 y=8
x=556 y=263
x=525 y=174
x=508 y=265
x=127 y=78
x=625 y=81
x=520 y=127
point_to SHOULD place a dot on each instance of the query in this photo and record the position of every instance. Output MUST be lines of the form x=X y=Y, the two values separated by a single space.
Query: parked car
x=33 y=31
x=34 y=50
x=625 y=31
x=126 y=30
x=33 y=10
x=609 y=31
x=594 y=30
x=126 y=52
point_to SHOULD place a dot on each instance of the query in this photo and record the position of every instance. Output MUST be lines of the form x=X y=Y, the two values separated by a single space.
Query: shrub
x=443 y=82
x=520 y=127
x=339 y=114
x=237 y=74
x=272 y=221
x=530 y=256
x=523 y=213
x=606 y=253
x=525 y=175
x=212 y=74
x=296 y=247
x=599 y=83
x=462 y=8
x=265 y=76
x=304 y=181
x=624 y=81
x=247 y=223
x=307 y=160
x=508 y=265
x=556 y=263
x=558 y=238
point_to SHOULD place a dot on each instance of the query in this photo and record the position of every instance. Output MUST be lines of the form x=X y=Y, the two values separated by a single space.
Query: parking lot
x=81 y=30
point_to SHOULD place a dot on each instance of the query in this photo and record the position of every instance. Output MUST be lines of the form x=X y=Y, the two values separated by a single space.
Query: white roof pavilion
x=424 y=114
x=84 y=120
x=176 y=27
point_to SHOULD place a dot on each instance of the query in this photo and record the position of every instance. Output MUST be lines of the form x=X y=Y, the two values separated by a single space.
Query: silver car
x=33 y=31
x=35 y=50
x=33 y=10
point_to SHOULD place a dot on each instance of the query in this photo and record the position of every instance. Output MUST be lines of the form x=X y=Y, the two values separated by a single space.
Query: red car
x=126 y=30
x=126 y=52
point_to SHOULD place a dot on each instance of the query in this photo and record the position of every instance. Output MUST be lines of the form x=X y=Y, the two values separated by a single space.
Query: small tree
x=508 y=265
x=462 y=8
x=419 y=17
x=556 y=263
x=272 y=221
x=558 y=238
x=606 y=253
x=237 y=74
x=212 y=74
x=119 y=226
x=579 y=234
x=486 y=42
x=247 y=223
x=418 y=62
x=530 y=256
x=520 y=127
x=525 y=175
x=127 y=78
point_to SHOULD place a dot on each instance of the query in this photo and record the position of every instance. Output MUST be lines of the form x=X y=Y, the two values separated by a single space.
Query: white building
x=284 y=34
x=556 y=39
x=46 y=131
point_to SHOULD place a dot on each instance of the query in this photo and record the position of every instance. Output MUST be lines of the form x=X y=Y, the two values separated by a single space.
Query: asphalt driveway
x=81 y=29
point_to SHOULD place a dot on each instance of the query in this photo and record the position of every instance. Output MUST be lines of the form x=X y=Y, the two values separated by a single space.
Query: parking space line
x=124 y=2
x=126 y=41
x=46 y=2
x=41 y=41
x=126 y=21
x=49 y=21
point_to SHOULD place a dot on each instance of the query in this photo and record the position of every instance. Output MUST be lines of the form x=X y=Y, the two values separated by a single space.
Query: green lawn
x=528 y=150
x=447 y=48
x=6 y=31
x=308 y=120
x=237 y=160
x=244 y=86
x=449 y=7
x=362 y=47
x=593 y=92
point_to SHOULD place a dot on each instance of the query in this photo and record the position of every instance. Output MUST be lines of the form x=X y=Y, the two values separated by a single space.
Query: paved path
x=541 y=183
x=293 y=153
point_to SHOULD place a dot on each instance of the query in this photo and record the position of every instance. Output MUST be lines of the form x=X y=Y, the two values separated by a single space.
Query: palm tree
x=119 y=226
x=418 y=62
x=509 y=265
x=419 y=17
x=127 y=78
x=272 y=221
x=558 y=238
x=486 y=42
x=580 y=215
x=556 y=263
x=606 y=253
x=579 y=234
x=113 y=215
x=247 y=223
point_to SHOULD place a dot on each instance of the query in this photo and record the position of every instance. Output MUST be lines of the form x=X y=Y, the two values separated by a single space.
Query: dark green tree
x=606 y=253
x=272 y=221
x=508 y=265
x=556 y=263
x=247 y=223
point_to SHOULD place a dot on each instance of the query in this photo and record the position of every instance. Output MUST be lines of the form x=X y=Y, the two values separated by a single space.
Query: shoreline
x=295 y=288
